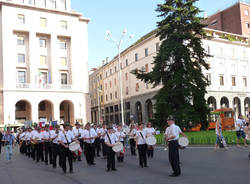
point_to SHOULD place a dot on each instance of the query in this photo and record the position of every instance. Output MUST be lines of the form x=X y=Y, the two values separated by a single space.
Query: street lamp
x=118 y=45
x=99 y=105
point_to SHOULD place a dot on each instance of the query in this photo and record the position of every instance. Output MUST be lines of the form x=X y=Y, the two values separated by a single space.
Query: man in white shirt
x=28 y=144
x=77 y=131
x=240 y=125
x=89 y=136
x=120 y=136
x=37 y=137
x=55 y=146
x=172 y=136
x=110 y=139
x=98 y=140
x=33 y=150
x=141 y=145
x=103 y=131
x=46 y=138
x=65 y=138
x=23 y=141
x=150 y=131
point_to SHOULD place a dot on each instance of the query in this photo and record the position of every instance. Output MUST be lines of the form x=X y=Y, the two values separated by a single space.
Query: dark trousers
x=66 y=153
x=97 y=146
x=0 y=146
x=90 y=153
x=39 y=152
x=174 y=156
x=33 y=151
x=120 y=156
x=56 y=152
x=110 y=158
x=47 y=152
x=28 y=149
x=81 y=145
x=23 y=147
x=132 y=146
x=104 y=148
x=142 y=149
x=150 y=151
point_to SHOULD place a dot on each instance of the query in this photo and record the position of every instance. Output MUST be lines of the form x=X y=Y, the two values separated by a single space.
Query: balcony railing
x=45 y=86
x=66 y=86
x=23 y=85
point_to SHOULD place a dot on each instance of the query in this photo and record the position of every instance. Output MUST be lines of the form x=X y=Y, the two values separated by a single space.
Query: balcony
x=45 y=86
x=66 y=86
x=23 y=85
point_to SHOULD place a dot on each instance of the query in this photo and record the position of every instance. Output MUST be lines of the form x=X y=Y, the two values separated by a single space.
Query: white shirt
x=149 y=131
x=103 y=132
x=55 y=136
x=88 y=134
x=132 y=133
x=77 y=132
x=37 y=136
x=66 y=134
x=141 y=136
x=112 y=137
x=120 y=135
x=239 y=124
x=173 y=130
x=98 y=131
x=22 y=136
x=46 y=135
x=28 y=136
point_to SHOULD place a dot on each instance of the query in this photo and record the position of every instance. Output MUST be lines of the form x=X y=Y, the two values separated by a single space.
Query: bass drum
x=151 y=140
x=74 y=146
x=118 y=147
x=183 y=142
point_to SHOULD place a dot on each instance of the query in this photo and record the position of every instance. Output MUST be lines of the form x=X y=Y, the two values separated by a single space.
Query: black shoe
x=107 y=170
x=46 y=163
x=114 y=169
x=54 y=167
x=79 y=160
x=145 y=165
x=141 y=166
x=71 y=172
x=174 y=175
x=64 y=172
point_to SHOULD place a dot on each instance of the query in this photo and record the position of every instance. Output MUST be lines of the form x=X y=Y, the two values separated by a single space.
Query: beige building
x=228 y=75
x=43 y=74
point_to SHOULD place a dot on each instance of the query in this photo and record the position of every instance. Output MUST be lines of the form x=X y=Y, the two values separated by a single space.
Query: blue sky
x=137 y=16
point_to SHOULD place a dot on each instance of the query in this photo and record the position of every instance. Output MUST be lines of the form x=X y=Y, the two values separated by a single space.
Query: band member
x=28 y=143
x=77 y=131
x=98 y=141
x=23 y=141
x=89 y=136
x=37 y=139
x=46 y=138
x=56 y=146
x=32 y=146
x=172 y=136
x=120 y=137
x=132 y=136
x=110 y=139
x=141 y=145
x=103 y=131
x=65 y=138
x=150 y=131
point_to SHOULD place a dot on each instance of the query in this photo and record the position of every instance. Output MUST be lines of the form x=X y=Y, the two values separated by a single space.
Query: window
x=115 y=68
x=106 y=86
x=21 y=106
x=43 y=3
x=245 y=81
x=63 y=45
x=208 y=76
x=214 y=22
x=21 y=19
x=42 y=43
x=110 y=84
x=43 y=60
x=157 y=45
x=246 y=12
x=63 y=24
x=120 y=65
x=43 y=22
x=127 y=105
x=115 y=82
x=42 y=106
x=111 y=109
x=146 y=68
x=110 y=97
x=233 y=81
x=126 y=90
x=53 y=3
x=21 y=58
x=247 y=25
x=101 y=77
x=146 y=52
x=63 y=61
x=20 y=40
x=64 y=78
x=116 y=94
x=136 y=57
x=126 y=76
x=137 y=87
x=110 y=71
x=221 y=80
x=43 y=77
x=126 y=62
x=101 y=100
x=21 y=77
x=106 y=97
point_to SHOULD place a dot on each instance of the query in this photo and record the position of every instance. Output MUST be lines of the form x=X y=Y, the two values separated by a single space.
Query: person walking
x=9 y=142
x=1 y=136
x=219 y=137
x=172 y=135
x=239 y=125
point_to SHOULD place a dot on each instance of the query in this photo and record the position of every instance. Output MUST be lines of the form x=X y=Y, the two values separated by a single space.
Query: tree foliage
x=178 y=65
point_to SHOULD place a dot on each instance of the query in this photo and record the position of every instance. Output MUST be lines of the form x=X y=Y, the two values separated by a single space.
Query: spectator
x=219 y=136
x=9 y=141
x=240 y=131
x=1 y=136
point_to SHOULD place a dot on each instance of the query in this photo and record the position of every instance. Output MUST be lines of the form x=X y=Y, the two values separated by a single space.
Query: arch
x=211 y=101
x=247 y=105
x=224 y=102
x=149 y=109
x=45 y=111
x=138 y=109
x=23 y=111
x=237 y=106
x=67 y=113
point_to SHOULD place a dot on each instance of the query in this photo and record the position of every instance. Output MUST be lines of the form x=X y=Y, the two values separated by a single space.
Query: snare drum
x=74 y=146
x=118 y=147
x=151 y=140
x=183 y=142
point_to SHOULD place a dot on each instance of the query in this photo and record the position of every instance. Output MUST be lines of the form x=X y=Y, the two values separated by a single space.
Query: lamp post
x=118 y=45
x=99 y=105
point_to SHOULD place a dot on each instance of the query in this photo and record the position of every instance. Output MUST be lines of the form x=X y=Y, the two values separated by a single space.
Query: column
x=54 y=60
x=34 y=111
x=33 y=58
x=57 y=111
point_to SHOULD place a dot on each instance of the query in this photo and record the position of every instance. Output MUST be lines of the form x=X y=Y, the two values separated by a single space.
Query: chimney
x=107 y=59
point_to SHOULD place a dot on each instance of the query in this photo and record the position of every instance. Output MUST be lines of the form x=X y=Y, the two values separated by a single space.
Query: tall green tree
x=178 y=65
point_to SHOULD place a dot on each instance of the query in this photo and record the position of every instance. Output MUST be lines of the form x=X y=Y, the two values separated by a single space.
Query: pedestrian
x=150 y=131
x=1 y=136
x=219 y=137
x=9 y=142
x=172 y=135
x=240 y=123
x=247 y=131
x=132 y=135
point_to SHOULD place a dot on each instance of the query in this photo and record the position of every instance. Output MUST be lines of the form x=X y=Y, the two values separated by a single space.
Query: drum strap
x=109 y=138
x=65 y=137
x=142 y=136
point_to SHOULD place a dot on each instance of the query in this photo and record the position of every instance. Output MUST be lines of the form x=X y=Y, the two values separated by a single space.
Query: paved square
x=199 y=165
